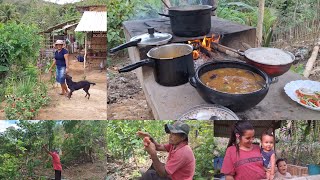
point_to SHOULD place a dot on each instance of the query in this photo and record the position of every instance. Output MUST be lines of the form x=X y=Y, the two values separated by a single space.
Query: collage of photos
x=159 y=90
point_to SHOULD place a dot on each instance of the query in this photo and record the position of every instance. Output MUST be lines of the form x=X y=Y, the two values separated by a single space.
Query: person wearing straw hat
x=180 y=164
x=61 y=60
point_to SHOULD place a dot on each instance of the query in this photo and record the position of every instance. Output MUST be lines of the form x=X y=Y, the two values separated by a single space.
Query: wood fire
x=204 y=43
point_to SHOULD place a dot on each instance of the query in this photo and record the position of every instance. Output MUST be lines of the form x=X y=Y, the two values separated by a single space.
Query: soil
x=97 y=170
x=126 y=99
x=78 y=107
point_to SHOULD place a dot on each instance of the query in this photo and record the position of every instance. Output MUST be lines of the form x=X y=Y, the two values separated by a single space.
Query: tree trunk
x=311 y=61
x=260 y=22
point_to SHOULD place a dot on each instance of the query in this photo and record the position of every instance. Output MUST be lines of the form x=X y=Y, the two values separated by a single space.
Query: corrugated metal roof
x=93 y=21
x=58 y=26
x=223 y=128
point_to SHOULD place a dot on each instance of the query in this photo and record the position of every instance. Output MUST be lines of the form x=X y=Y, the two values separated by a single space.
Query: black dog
x=73 y=86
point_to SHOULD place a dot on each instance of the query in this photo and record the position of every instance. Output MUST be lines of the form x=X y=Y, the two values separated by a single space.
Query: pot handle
x=136 y=65
x=241 y=53
x=125 y=45
x=193 y=82
x=166 y=15
x=273 y=80
x=213 y=8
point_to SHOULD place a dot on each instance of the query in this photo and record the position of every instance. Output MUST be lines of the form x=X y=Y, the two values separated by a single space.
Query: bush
x=9 y=167
x=28 y=97
x=19 y=48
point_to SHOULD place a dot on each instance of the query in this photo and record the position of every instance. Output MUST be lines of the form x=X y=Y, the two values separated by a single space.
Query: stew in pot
x=233 y=80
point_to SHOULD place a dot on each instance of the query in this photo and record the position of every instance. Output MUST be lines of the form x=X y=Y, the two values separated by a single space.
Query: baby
x=282 y=170
x=268 y=154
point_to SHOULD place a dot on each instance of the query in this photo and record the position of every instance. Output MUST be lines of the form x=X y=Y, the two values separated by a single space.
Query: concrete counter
x=171 y=102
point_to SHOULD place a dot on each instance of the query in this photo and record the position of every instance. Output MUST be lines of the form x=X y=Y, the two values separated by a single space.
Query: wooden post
x=85 y=51
x=260 y=22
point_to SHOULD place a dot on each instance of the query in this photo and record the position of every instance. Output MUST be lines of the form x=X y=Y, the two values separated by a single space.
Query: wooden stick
x=311 y=61
x=260 y=22
x=165 y=3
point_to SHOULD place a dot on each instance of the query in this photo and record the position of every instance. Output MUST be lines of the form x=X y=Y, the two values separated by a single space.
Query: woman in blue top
x=61 y=60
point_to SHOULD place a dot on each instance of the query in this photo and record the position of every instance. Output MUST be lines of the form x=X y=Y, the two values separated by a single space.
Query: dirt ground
x=126 y=99
x=97 y=170
x=78 y=107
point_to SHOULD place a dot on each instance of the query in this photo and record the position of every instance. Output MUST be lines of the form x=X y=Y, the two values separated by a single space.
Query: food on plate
x=308 y=97
x=233 y=80
x=146 y=141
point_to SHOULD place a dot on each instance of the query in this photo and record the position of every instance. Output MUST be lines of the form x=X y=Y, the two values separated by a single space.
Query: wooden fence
x=307 y=31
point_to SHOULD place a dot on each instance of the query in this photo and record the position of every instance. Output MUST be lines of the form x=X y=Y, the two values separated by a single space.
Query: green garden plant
x=27 y=99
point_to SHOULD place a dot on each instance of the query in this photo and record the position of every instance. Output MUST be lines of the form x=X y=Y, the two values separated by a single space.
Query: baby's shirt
x=266 y=158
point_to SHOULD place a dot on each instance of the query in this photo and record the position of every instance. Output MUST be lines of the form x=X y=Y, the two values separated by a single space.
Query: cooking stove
x=232 y=35
x=172 y=102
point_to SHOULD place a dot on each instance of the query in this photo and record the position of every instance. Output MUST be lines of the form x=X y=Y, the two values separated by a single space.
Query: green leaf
x=4 y=68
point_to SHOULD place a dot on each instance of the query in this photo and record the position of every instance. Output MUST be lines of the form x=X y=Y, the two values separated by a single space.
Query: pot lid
x=190 y=7
x=153 y=38
x=269 y=56
x=209 y=112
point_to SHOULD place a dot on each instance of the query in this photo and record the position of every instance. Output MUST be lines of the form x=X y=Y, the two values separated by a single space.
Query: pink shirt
x=181 y=162
x=56 y=161
x=247 y=165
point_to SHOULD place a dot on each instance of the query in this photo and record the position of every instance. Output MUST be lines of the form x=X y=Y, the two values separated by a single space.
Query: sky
x=5 y=124
x=63 y=1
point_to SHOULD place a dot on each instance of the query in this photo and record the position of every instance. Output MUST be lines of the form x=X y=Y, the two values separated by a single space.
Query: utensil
x=209 y=112
x=252 y=56
x=190 y=21
x=235 y=102
x=172 y=63
x=149 y=39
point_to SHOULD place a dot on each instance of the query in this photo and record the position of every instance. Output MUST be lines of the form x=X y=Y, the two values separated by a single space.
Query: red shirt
x=181 y=162
x=56 y=161
x=247 y=165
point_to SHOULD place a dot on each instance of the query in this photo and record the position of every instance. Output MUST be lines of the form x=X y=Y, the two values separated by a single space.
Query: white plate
x=292 y=86
x=209 y=112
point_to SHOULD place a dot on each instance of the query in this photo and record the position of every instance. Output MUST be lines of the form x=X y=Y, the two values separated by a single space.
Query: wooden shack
x=94 y=23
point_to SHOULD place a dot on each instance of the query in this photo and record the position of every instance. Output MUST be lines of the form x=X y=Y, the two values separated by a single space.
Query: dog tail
x=92 y=83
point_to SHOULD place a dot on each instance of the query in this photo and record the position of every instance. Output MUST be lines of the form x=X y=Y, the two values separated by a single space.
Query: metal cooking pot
x=235 y=102
x=172 y=64
x=252 y=57
x=149 y=39
x=190 y=21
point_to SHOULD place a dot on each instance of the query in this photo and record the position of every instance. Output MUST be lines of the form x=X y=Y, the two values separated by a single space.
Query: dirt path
x=97 y=170
x=78 y=107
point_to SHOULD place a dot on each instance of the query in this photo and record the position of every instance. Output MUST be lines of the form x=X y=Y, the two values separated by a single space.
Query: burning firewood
x=206 y=52
x=195 y=54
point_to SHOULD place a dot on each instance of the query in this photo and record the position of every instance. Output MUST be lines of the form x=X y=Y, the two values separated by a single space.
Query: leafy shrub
x=118 y=11
x=26 y=101
x=19 y=48
x=9 y=166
